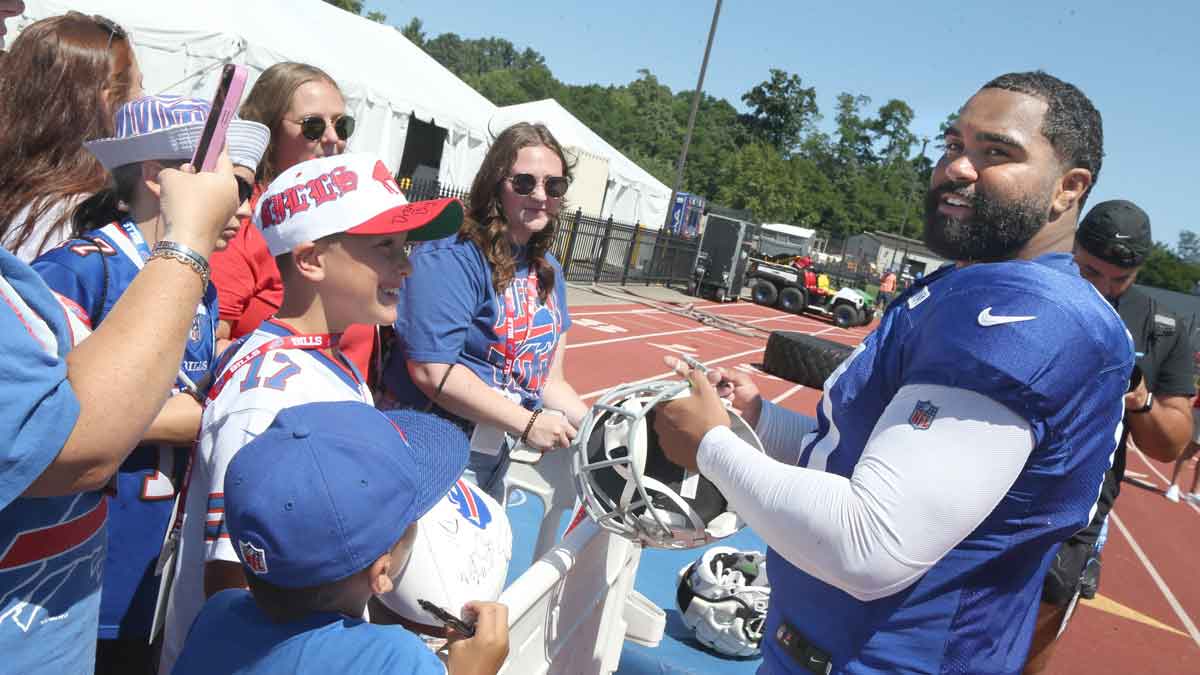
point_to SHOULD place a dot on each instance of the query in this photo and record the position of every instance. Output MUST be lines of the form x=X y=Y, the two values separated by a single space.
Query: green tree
x=413 y=31
x=352 y=6
x=377 y=16
x=1189 y=247
x=782 y=110
x=1164 y=269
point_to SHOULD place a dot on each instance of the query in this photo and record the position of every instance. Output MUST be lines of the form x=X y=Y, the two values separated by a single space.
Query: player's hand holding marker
x=683 y=422
x=486 y=650
x=733 y=386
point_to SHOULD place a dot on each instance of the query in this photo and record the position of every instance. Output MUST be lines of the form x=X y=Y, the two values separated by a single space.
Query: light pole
x=687 y=138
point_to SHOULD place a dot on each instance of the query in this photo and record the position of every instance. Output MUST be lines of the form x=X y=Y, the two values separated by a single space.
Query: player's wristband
x=183 y=254
x=529 y=426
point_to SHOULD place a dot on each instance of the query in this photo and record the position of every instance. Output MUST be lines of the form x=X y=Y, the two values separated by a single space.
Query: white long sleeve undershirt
x=912 y=497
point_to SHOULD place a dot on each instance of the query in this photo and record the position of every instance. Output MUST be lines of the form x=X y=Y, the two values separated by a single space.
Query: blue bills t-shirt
x=94 y=272
x=51 y=549
x=451 y=313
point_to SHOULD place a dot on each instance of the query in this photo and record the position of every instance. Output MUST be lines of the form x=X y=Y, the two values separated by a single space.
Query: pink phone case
x=225 y=104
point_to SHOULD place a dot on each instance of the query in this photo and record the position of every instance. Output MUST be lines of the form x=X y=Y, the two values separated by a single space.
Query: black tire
x=764 y=293
x=845 y=316
x=802 y=358
x=792 y=300
x=868 y=315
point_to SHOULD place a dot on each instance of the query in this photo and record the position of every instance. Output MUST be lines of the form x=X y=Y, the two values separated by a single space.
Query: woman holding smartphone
x=481 y=334
x=306 y=113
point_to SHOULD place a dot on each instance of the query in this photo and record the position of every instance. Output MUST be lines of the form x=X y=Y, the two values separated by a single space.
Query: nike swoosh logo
x=986 y=318
x=1121 y=236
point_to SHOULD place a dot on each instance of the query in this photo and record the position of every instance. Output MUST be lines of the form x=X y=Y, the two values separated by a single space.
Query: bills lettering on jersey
x=922 y=415
x=314 y=193
x=536 y=335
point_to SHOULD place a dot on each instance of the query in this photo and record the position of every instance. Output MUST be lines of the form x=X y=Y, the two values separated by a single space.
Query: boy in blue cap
x=303 y=503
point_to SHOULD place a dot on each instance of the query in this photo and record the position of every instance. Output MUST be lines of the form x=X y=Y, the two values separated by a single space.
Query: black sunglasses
x=313 y=127
x=524 y=185
x=245 y=189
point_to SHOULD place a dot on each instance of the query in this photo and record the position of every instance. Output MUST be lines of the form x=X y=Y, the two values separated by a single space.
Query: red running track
x=1144 y=619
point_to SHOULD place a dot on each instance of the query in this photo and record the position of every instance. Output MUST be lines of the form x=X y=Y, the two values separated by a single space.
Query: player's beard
x=996 y=230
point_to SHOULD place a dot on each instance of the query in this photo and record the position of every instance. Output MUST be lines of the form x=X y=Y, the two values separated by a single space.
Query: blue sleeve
x=1035 y=366
x=439 y=301
x=560 y=294
x=38 y=408
x=67 y=276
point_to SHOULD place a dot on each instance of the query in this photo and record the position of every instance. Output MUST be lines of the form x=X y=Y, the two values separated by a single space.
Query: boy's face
x=363 y=276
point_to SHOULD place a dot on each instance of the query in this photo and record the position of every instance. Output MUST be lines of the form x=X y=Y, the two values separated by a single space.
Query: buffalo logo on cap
x=254 y=557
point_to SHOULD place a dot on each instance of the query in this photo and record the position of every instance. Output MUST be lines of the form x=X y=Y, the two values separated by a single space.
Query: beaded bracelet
x=529 y=426
x=183 y=254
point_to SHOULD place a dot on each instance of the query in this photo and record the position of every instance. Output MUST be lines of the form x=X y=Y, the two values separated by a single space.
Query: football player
x=911 y=523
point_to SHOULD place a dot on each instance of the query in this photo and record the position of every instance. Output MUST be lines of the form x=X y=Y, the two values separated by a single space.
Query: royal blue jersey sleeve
x=67 y=273
x=1020 y=349
x=439 y=302
x=38 y=408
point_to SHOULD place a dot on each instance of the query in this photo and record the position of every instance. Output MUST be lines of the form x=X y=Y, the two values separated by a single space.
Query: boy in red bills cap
x=338 y=227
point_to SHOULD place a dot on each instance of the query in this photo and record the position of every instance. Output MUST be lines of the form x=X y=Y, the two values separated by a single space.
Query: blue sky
x=1140 y=65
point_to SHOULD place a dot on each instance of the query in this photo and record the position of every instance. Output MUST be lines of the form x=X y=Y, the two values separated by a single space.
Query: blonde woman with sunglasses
x=483 y=319
x=306 y=113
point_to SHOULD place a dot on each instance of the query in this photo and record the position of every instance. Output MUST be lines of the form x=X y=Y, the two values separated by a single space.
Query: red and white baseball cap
x=353 y=193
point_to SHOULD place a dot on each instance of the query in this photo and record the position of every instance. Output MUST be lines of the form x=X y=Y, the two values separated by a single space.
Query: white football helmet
x=629 y=487
x=723 y=598
x=461 y=553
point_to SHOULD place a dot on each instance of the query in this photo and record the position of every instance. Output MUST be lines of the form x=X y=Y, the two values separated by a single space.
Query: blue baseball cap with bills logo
x=168 y=128
x=329 y=487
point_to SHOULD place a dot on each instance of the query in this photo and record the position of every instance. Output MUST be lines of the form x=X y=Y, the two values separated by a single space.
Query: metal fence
x=597 y=250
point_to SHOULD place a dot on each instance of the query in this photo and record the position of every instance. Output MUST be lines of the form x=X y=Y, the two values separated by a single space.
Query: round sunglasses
x=524 y=184
x=312 y=127
x=245 y=189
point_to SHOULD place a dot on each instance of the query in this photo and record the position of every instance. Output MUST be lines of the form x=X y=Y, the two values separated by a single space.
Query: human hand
x=734 y=386
x=197 y=206
x=484 y=653
x=549 y=432
x=1136 y=399
x=683 y=422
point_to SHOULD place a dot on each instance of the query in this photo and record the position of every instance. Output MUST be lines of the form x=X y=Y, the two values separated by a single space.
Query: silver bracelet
x=185 y=255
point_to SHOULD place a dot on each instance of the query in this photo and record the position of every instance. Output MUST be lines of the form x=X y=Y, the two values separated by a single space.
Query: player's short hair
x=1071 y=124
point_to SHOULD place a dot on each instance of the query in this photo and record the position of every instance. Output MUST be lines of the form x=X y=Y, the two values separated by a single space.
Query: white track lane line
x=1147 y=462
x=787 y=393
x=669 y=373
x=1158 y=580
x=704 y=329
x=641 y=310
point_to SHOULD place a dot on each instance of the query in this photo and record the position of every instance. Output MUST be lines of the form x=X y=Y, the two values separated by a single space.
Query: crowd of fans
x=169 y=335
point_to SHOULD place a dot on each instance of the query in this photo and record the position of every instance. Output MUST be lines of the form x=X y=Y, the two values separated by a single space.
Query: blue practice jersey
x=450 y=313
x=51 y=549
x=94 y=272
x=232 y=635
x=1032 y=336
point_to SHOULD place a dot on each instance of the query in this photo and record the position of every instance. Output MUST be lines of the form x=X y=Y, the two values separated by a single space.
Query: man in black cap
x=1111 y=246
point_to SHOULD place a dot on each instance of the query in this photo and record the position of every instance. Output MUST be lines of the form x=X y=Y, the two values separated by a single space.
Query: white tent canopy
x=634 y=196
x=181 y=45
x=793 y=230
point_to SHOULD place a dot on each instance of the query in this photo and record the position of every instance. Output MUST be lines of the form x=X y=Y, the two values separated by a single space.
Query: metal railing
x=596 y=250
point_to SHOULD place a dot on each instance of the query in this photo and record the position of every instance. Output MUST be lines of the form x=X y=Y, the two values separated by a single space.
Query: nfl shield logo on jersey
x=254 y=557
x=922 y=415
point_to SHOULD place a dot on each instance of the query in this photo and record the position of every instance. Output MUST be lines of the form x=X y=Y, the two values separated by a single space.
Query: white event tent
x=633 y=194
x=181 y=45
